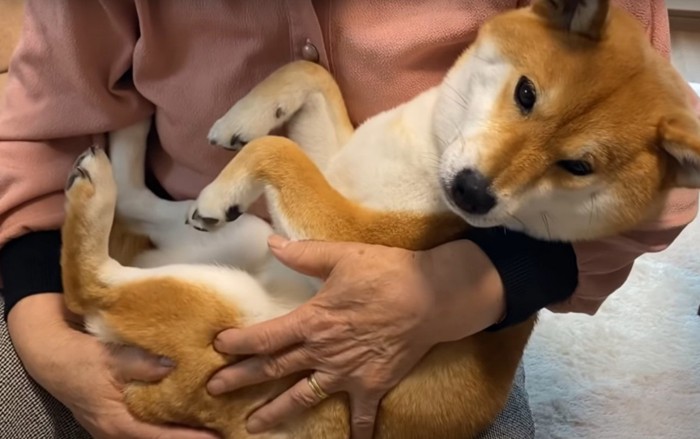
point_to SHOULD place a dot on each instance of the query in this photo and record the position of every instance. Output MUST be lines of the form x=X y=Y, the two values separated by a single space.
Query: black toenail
x=236 y=139
x=206 y=220
x=71 y=180
x=232 y=213
x=75 y=173
x=279 y=112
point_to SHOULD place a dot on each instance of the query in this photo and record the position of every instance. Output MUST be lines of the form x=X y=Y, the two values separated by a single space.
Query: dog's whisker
x=546 y=224
x=463 y=101
x=522 y=224
x=442 y=142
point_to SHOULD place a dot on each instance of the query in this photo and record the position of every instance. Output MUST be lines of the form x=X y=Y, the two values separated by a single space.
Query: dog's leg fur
x=146 y=213
x=302 y=95
x=304 y=205
x=137 y=306
x=162 y=221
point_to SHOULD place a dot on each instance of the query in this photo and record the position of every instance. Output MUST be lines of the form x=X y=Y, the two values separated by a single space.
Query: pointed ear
x=680 y=137
x=584 y=17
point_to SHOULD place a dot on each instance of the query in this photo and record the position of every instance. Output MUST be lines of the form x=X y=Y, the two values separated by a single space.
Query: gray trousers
x=27 y=411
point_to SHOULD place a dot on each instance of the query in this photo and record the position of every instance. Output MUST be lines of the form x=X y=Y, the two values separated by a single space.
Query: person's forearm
x=473 y=286
x=39 y=326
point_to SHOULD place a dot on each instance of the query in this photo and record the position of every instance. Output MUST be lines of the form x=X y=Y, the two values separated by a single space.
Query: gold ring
x=318 y=391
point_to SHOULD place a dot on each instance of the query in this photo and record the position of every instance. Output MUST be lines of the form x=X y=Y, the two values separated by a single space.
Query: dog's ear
x=584 y=17
x=679 y=135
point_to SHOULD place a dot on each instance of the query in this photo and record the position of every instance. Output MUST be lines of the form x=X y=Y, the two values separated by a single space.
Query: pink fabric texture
x=84 y=68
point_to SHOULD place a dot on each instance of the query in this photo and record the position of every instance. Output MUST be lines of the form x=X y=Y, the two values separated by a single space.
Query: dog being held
x=560 y=121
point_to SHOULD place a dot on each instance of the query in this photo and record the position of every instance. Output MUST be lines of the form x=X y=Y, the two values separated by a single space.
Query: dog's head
x=561 y=120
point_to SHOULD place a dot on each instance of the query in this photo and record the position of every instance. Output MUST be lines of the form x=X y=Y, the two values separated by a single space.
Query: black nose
x=471 y=192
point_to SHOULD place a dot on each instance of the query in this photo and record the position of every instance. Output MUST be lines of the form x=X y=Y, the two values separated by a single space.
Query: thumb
x=134 y=364
x=137 y=428
x=312 y=258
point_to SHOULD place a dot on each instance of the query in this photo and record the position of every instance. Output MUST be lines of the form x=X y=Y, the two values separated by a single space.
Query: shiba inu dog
x=560 y=121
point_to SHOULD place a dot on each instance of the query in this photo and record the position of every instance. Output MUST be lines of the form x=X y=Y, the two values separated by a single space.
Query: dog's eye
x=525 y=94
x=578 y=168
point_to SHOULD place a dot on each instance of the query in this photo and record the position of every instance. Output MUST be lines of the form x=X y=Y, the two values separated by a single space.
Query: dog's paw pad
x=209 y=222
x=203 y=219
x=203 y=223
x=232 y=213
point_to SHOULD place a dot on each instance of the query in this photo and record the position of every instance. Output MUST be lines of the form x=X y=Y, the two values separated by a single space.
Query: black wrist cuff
x=534 y=273
x=29 y=265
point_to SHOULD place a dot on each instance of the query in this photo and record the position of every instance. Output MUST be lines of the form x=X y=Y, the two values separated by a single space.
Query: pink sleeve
x=605 y=265
x=66 y=86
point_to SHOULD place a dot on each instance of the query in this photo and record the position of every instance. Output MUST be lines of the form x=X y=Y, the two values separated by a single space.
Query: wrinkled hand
x=85 y=375
x=380 y=310
x=103 y=413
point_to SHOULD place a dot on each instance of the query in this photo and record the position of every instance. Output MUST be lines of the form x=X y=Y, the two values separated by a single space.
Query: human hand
x=84 y=374
x=381 y=309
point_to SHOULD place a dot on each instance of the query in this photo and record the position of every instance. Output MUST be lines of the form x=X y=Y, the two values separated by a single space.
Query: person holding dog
x=83 y=69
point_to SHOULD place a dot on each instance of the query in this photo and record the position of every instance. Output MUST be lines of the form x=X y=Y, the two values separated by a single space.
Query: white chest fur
x=391 y=161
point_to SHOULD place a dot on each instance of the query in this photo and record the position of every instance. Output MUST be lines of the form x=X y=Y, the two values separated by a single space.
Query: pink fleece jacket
x=191 y=60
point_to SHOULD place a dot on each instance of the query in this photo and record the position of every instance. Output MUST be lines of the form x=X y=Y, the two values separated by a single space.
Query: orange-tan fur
x=459 y=387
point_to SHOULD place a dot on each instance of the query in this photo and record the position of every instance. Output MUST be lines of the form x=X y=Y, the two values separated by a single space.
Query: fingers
x=363 y=416
x=263 y=338
x=257 y=370
x=288 y=405
x=312 y=258
x=134 y=364
x=182 y=433
x=142 y=430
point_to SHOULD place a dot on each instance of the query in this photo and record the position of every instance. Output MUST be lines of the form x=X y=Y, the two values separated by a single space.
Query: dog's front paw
x=207 y=216
x=250 y=118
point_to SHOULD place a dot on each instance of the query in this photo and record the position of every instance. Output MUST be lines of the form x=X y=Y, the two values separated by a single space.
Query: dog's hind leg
x=90 y=204
x=144 y=212
x=150 y=307
x=162 y=221
x=302 y=95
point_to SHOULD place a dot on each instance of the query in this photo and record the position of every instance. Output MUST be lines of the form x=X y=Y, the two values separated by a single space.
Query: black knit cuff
x=534 y=273
x=29 y=265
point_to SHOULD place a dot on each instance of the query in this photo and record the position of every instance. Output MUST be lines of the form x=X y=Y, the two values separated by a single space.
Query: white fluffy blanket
x=633 y=369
